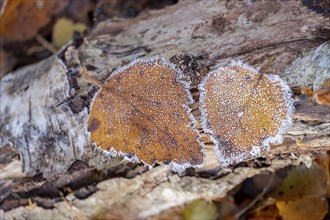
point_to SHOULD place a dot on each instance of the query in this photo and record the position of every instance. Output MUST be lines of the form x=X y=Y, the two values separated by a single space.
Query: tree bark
x=44 y=107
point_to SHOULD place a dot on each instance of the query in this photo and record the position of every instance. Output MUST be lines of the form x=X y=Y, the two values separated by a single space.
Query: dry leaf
x=31 y=204
x=304 y=208
x=269 y=212
x=22 y=19
x=142 y=112
x=302 y=181
x=321 y=96
x=301 y=195
x=305 y=90
x=243 y=111
x=63 y=31
x=200 y=209
x=324 y=161
x=126 y=8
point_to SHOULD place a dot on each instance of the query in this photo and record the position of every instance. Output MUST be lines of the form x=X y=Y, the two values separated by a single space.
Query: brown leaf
x=324 y=161
x=244 y=112
x=301 y=195
x=321 y=96
x=269 y=212
x=142 y=112
x=305 y=90
x=21 y=19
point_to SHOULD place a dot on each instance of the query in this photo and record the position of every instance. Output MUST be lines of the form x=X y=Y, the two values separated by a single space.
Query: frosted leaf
x=244 y=112
x=142 y=112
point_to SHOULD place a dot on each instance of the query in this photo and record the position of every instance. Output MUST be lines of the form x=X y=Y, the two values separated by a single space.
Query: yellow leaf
x=200 y=209
x=302 y=181
x=305 y=208
x=31 y=205
x=63 y=31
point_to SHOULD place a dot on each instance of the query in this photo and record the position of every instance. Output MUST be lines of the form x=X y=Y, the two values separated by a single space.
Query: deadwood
x=44 y=107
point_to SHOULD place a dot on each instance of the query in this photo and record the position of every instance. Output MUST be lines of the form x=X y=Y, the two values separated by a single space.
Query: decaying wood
x=44 y=107
x=148 y=194
x=44 y=113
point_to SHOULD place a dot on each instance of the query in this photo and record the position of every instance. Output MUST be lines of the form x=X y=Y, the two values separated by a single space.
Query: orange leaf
x=324 y=161
x=322 y=96
x=22 y=19
x=142 y=112
x=243 y=112
x=305 y=90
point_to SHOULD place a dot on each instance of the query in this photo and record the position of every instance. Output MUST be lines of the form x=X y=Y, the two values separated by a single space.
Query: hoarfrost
x=142 y=113
x=244 y=112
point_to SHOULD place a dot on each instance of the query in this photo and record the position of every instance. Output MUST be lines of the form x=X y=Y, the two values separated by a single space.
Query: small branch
x=89 y=78
x=258 y=198
x=46 y=44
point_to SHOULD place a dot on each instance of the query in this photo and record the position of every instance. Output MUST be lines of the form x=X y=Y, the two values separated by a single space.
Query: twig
x=68 y=203
x=249 y=206
x=46 y=44
x=89 y=78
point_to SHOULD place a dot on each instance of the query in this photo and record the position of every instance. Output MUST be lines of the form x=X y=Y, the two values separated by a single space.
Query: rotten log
x=44 y=107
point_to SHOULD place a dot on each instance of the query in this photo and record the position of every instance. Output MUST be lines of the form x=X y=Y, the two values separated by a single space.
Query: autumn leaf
x=21 y=19
x=321 y=96
x=200 y=209
x=269 y=212
x=63 y=31
x=301 y=195
x=304 y=208
x=244 y=112
x=142 y=112
x=324 y=161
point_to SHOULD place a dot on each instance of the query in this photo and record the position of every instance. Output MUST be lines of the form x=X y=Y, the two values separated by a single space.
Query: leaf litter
x=302 y=194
